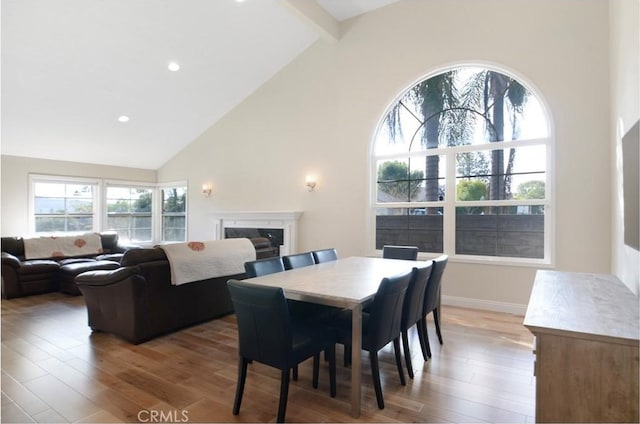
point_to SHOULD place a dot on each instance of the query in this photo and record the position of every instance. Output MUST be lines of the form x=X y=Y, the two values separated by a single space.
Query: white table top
x=342 y=283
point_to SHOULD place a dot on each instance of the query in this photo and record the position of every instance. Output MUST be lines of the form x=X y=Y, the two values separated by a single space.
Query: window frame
x=160 y=214
x=130 y=185
x=100 y=210
x=56 y=179
x=450 y=202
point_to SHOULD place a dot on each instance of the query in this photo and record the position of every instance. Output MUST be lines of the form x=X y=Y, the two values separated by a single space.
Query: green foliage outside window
x=129 y=212
x=534 y=189
x=394 y=178
x=469 y=190
x=451 y=120
x=174 y=200
x=174 y=208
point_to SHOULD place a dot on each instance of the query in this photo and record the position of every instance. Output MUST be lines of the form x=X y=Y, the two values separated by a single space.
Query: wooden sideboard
x=586 y=328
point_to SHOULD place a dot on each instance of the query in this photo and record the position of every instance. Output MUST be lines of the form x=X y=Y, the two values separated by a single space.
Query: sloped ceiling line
x=71 y=68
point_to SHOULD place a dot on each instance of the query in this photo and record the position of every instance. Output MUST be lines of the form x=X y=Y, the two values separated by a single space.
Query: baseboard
x=489 y=305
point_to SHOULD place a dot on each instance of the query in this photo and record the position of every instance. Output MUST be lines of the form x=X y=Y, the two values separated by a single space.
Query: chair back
x=385 y=314
x=324 y=255
x=414 y=298
x=264 y=327
x=432 y=293
x=409 y=253
x=263 y=267
x=298 y=261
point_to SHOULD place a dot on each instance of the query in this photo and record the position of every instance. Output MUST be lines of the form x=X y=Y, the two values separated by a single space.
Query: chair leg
x=316 y=369
x=436 y=319
x=396 y=350
x=423 y=345
x=375 y=373
x=331 y=354
x=407 y=353
x=347 y=355
x=423 y=322
x=295 y=373
x=284 y=393
x=242 y=376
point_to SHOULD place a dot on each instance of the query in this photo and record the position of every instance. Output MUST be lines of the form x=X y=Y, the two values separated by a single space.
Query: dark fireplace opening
x=258 y=237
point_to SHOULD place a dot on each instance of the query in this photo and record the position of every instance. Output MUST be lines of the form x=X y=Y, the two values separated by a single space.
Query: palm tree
x=430 y=97
x=448 y=114
x=488 y=91
x=436 y=94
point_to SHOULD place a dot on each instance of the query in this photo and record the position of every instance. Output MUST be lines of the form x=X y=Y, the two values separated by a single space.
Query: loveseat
x=42 y=274
x=138 y=300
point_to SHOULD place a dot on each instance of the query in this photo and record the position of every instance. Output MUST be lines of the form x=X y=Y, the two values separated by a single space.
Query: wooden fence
x=484 y=235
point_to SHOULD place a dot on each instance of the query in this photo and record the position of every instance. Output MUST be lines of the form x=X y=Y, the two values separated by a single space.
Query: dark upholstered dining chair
x=400 y=252
x=298 y=260
x=380 y=326
x=432 y=304
x=263 y=267
x=412 y=309
x=266 y=334
x=325 y=255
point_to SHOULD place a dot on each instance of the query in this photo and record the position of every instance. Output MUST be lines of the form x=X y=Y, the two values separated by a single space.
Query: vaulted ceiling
x=72 y=68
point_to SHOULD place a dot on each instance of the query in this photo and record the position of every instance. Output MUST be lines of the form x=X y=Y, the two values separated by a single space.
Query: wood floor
x=54 y=370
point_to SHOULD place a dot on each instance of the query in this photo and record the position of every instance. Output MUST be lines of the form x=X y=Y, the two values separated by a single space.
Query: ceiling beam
x=316 y=17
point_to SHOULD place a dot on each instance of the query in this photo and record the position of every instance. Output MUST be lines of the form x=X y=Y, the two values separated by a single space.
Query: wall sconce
x=310 y=181
x=207 y=189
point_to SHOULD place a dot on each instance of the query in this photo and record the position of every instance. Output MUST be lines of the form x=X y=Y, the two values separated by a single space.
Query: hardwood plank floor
x=54 y=370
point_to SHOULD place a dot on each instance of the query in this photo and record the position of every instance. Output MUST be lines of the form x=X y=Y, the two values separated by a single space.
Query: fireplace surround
x=263 y=221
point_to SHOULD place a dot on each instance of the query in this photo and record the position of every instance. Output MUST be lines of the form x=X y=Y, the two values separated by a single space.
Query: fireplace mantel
x=285 y=220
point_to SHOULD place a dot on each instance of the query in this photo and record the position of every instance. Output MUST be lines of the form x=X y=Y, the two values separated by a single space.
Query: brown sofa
x=24 y=277
x=138 y=302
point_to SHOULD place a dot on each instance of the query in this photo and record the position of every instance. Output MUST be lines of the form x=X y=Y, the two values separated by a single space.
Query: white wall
x=624 y=16
x=15 y=172
x=318 y=116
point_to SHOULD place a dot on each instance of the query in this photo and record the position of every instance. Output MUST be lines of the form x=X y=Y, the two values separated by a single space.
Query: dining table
x=344 y=283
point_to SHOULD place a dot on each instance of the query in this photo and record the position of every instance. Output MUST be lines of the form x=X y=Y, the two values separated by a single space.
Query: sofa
x=138 y=301
x=24 y=277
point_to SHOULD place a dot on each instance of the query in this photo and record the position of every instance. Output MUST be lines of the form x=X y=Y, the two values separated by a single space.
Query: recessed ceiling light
x=240 y=1
x=123 y=118
x=173 y=66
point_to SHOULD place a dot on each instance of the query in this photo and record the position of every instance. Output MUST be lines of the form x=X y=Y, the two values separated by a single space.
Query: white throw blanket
x=62 y=246
x=195 y=260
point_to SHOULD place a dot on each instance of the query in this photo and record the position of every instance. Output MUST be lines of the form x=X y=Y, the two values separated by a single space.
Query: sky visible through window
x=531 y=124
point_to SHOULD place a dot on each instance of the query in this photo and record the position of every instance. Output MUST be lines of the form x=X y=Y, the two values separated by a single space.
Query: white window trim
x=41 y=178
x=548 y=260
x=100 y=193
x=132 y=184
x=450 y=203
x=157 y=205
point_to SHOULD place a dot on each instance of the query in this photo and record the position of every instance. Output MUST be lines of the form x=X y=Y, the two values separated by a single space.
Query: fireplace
x=279 y=227
x=266 y=240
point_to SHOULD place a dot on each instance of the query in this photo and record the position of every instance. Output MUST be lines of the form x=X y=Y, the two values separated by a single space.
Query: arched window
x=460 y=164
